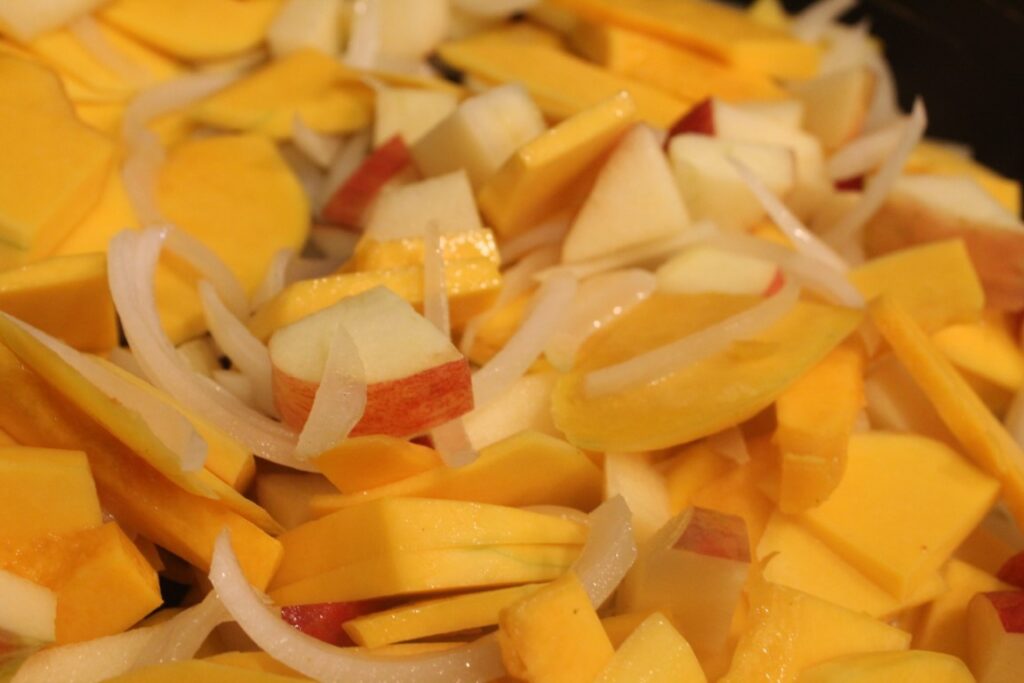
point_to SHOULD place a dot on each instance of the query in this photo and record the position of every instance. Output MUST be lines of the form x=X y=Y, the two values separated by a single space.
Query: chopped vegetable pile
x=556 y=341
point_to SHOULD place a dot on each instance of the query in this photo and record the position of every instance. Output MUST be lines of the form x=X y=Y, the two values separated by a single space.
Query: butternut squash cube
x=201 y=670
x=985 y=349
x=25 y=83
x=907 y=667
x=653 y=653
x=286 y=496
x=46 y=492
x=365 y=462
x=372 y=254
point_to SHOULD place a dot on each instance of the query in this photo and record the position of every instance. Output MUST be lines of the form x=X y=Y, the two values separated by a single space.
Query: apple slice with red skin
x=700 y=120
x=995 y=636
x=326 y=620
x=349 y=203
x=1012 y=571
x=416 y=378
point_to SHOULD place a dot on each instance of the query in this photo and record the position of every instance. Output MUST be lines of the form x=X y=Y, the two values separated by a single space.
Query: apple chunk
x=704 y=268
x=351 y=200
x=326 y=620
x=416 y=378
x=995 y=634
x=836 y=105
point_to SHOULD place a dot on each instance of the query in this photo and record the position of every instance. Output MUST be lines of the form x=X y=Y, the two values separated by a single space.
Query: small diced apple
x=836 y=104
x=410 y=112
x=995 y=635
x=349 y=203
x=446 y=202
x=709 y=269
x=411 y=30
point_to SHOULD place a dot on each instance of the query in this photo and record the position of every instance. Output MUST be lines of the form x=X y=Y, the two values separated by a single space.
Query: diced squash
x=372 y=254
x=983 y=438
x=526 y=469
x=195 y=29
x=769 y=12
x=561 y=84
x=903 y=506
x=909 y=277
x=703 y=397
x=252 y=661
x=497 y=327
x=653 y=653
x=907 y=667
x=790 y=630
x=286 y=496
x=308 y=84
x=67 y=297
x=430 y=618
x=25 y=83
x=713 y=28
x=986 y=349
x=532 y=634
x=366 y=462
x=431 y=571
x=690 y=470
x=45 y=492
x=532 y=183
x=201 y=670
x=931 y=157
x=895 y=403
x=112 y=213
x=392 y=527
x=815 y=418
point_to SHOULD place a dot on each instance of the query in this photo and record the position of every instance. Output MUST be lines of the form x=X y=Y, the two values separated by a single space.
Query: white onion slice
x=805 y=241
x=884 y=108
x=364 y=41
x=246 y=352
x=435 y=293
x=664 y=360
x=123 y=358
x=349 y=158
x=340 y=399
x=552 y=231
x=810 y=24
x=139 y=173
x=172 y=96
x=731 y=444
x=609 y=552
x=86 y=31
x=473 y=663
x=598 y=301
x=865 y=153
x=848 y=229
x=182 y=635
x=274 y=280
x=528 y=342
x=318 y=148
x=166 y=423
x=131 y=265
x=211 y=267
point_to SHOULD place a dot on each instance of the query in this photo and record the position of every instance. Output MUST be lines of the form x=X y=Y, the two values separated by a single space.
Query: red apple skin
x=1012 y=571
x=350 y=201
x=401 y=407
x=715 y=534
x=326 y=621
x=1009 y=605
x=854 y=184
x=777 y=283
x=700 y=119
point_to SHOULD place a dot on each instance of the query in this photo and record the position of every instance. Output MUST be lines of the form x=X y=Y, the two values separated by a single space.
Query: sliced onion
x=364 y=41
x=849 y=227
x=451 y=441
x=340 y=399
x=309 y=174
x=609 y=552
x=805 y=241
x=139 y=172
x=236 y=384
x=166 y=423
x=211 y=267
x=664 y=360
x=865 y=153
x=131 y=266
x=884 y=108
x=349 y=158
x=811 y=23
x=318 y=148
x=86 y=31
x=528 y=342
x=731 y=444
x=274 y=280
x=599 y=300
x=123 y=358
x=182 y=635
x=473 y=663
x=550 y=232
x=246 y=352
x=435 y=292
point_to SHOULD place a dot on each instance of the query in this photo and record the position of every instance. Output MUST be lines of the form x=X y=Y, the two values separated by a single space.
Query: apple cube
x=995 y=635
x=416 y=378
x=787 y=112
x=326 y=620
x=712 y=187
x=480 y=135
x=306 y=24
x=634 y=200
x=366 y=462
x=907 y=667
x=410 y=112
x=710 y=269
x=407 y=211
x=409 y=31
x=1012 y=571
x=27 y=608
x=353 y=197
x=836 y=104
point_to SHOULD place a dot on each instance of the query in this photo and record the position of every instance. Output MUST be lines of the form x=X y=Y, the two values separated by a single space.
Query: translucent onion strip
x=182 y=635
x=364 y=40
x=551 y=232
x=609 y=552
x=351 y=155
x=340 y=399
x=211 y=267
x=811 y=23
x=473 y=663
x=523 y=348
x=274 y=280
x=848 y=229
x=664 y=360
x=131 y=265
x=86 y=31
x=318 y=148
x=805 y=241
x=865 y=153
x=435 y=292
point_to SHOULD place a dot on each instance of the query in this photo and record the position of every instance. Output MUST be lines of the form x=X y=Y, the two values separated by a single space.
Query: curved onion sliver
x=473 y=663
x=182 y=635
x=609 y=552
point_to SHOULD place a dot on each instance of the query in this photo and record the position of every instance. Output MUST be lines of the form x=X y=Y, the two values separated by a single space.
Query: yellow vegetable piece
x=935 y=158
x=372 y=254
x=815 y=417
x=392 y=527
x=201 y=670
x=703 y=398
x=436 y=617
x=716 y=29
x=286 y=496
x=227 y=191
x=908 y=276
x=983 y=438
x=45 y=492
x=25 y=83
x=769 y=12
x=790 y=630
x=35 y=413
x=195 y=29
x=431 y=571
x=688 y=75
x=498 y=326
x=654 y=653
x=561 y=84
x=906 y=667
x=554 y=635
x=67 y=297
x=533 y=182
x=794 y=557
x=986 y=349
x=740 y=493
x=105 y=117
x=366 y=462
x=923 y=498
x=51 y=170
x=472 y=286
x=252 y=661
x=943 y=626
x=112 y=213
x=691 y=470
x=320 y=90
x=895 y=403
x=529 y=468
